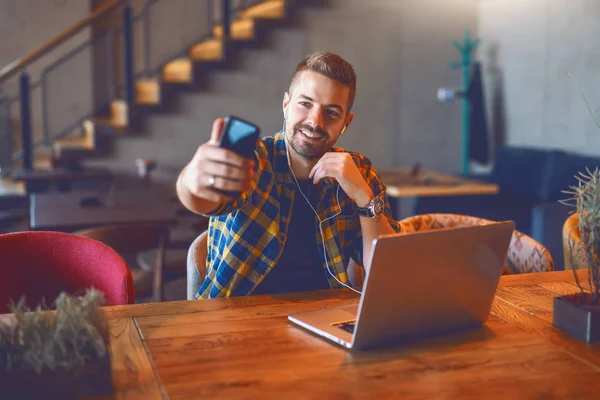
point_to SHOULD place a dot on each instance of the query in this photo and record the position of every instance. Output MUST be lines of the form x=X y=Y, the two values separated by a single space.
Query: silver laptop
x=419 y=285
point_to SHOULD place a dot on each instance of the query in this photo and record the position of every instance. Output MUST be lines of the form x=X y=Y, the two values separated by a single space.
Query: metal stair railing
x=39 y=102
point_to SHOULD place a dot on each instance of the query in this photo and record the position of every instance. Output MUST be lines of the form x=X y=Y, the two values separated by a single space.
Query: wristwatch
x=376 y=207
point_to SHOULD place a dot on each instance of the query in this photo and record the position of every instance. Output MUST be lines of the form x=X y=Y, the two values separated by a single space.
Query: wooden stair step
x=119 y=113
x=75 y=142
x=42 y=161
x=208 y=50
x=115 y=124
x=107 y=127
x=147 y=91
x=239 y=30
x=8 y=187
x=179 y=71
x=86 y=142
x=272 y=9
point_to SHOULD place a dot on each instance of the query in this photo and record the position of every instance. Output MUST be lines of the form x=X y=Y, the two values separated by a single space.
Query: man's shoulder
x=266 y=140
x=265 y=146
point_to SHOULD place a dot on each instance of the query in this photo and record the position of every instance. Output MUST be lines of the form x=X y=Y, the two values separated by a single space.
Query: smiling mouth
x=310 y=135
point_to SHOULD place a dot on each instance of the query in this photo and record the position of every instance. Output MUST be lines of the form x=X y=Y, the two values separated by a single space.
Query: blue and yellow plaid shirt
x=246 y=236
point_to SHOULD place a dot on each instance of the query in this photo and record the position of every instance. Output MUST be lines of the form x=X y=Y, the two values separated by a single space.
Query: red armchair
x=42 y=264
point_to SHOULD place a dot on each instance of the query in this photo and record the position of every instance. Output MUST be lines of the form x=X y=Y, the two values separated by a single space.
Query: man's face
x=315 y=112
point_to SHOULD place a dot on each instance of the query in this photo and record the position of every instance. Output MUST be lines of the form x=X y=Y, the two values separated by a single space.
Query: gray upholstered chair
x=196 y=264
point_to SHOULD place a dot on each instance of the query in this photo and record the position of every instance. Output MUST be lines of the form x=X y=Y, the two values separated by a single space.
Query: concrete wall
x=528 y=46
x=400 y=50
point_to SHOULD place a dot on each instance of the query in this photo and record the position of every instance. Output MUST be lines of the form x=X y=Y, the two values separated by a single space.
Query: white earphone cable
x=321 y=222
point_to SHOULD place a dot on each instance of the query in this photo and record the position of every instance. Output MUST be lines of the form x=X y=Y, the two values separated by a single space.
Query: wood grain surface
x=244 y=348
x=133 y=374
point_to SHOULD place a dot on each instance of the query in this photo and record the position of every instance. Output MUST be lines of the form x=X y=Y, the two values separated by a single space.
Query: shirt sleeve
x=372 y=178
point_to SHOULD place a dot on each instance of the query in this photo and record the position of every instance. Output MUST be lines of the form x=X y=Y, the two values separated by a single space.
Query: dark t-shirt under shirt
x=300 y=267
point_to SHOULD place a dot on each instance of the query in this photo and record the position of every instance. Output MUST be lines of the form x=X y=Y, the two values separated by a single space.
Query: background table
x=64 y=212
x=245 y=348
x=37 y=180
x=401 y=183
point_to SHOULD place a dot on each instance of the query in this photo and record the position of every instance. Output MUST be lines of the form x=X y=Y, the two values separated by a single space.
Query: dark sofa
x=531 y=182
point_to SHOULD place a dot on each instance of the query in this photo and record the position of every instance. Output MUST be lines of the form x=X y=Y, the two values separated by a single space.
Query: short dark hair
x=332 y=66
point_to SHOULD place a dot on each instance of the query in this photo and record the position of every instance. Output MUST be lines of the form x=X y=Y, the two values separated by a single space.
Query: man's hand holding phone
x=218 y=172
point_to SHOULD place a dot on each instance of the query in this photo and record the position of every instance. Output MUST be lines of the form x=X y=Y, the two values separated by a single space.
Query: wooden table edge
x=449 y=191
x=456 y=185
x=133 y=371
x=541 y=277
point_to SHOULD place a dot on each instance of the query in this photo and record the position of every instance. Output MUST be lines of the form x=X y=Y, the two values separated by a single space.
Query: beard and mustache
x=305 y=148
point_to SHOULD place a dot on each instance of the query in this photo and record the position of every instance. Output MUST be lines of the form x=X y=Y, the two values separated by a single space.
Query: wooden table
x=400 y=183
x=64 y=212
x=245 y=348
x=61 y=176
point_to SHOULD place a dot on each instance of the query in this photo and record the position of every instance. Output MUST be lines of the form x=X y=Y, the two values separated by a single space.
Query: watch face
x=379 y=206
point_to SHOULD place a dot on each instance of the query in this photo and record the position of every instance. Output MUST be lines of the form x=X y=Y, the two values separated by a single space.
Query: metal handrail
x=51 y=67
x=128 y=68
x=147 y=69
x=18 y=65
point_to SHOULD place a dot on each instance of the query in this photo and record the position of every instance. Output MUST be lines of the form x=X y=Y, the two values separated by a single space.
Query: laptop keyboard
x=348 y=326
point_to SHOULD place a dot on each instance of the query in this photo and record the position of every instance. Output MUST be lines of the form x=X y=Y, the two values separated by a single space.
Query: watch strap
x=373 y=209
x=365 y=212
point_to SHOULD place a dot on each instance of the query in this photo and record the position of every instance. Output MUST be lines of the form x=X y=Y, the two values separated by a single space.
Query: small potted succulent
x=55 y=354
x=579 y=314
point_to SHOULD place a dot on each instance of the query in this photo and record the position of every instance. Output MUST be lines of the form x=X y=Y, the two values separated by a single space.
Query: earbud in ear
x=343 y=129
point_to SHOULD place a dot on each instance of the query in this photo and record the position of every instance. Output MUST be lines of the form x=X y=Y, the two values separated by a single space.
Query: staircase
x=137 y=91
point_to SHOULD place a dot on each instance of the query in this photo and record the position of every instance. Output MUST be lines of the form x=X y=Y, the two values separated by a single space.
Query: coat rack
x=466 y=49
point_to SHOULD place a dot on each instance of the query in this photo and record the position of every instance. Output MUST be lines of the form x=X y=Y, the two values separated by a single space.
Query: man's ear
x=286 y=101
x=349 y=119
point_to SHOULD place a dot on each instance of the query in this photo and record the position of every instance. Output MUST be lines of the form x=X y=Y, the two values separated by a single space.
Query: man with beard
x=307 y=210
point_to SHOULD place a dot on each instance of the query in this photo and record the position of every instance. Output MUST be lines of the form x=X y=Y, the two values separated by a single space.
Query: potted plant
x=579 y=314
x=55 y=354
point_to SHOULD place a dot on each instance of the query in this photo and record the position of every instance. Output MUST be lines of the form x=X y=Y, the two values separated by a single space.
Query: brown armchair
x=525 y=254
x=574 y=253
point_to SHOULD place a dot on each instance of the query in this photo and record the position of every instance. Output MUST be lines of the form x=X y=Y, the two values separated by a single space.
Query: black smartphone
x=239 y=136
